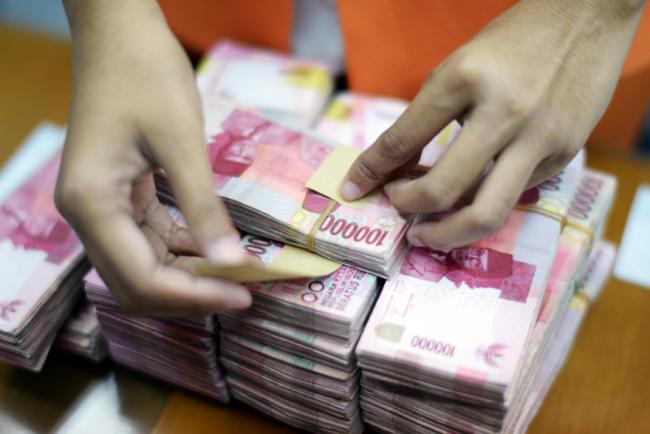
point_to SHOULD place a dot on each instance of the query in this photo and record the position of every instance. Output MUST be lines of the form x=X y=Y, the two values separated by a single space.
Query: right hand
x=135 y=108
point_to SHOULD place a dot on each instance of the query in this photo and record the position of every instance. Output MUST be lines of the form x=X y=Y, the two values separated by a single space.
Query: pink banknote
x=464 y=315
x=343 y=295
x=260 y=169
x=356 y=119
x=285 y=88
x=37 y=247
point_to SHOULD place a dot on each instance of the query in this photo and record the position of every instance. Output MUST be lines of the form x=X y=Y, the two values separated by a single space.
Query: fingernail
x=350 y=191
x=226 y=250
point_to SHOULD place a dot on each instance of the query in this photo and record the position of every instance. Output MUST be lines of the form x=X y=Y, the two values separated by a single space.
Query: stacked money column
x=291 y=355
x=183 y=352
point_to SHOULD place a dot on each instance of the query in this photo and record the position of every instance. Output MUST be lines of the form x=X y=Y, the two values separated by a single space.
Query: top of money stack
x=37 y=248
x=284 y=88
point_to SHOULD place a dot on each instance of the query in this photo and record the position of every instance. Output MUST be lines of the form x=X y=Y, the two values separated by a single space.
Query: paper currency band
x=311 y=236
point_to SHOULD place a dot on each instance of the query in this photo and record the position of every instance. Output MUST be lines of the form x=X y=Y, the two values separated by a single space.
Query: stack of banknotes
x=41 y=266
x=291 y=355
x=82 y=335
x=284 y=88
x=357 y=120
x=456 y=339
x=587 y=290
x=180 y=351
x=261 y=169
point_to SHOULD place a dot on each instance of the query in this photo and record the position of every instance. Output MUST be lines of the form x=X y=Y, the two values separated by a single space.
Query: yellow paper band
x=311 y=236
x=291 y=263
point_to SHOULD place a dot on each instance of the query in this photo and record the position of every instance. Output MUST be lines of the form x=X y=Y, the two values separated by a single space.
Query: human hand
x=530 y=87
x=135 y=108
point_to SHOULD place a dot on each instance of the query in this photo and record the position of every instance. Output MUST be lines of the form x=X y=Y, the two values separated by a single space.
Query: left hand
x=530 y=86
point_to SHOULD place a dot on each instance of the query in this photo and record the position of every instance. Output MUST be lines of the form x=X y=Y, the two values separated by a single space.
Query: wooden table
x=604 y=388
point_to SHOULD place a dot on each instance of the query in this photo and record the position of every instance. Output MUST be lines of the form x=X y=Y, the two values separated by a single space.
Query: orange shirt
x=391 y=45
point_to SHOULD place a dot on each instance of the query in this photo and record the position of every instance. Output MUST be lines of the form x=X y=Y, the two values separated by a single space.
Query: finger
x=148 y=212
x=482 y=137
x=493 y=203
x=177 y=292
x=127 y=262
x=182 y=155
x=431 y=110
x=175 y=237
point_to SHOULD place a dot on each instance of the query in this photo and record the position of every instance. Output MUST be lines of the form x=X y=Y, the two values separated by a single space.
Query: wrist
x=96 y=19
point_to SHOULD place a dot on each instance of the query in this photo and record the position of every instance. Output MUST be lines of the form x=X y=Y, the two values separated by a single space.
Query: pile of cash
x=41 y=267
x=261 y=169
x=180 y=351
x=284 y=88
x=81 y=334
x=291 y=355
x=463 y=341
x=456 y=339
x=587 y=289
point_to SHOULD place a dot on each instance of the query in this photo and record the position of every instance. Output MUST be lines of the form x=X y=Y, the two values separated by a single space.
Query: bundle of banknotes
x=588 y=288
x=284 y=88
x=82 y=335
x=262 y=169
x=180 y=351
x=291 y=355
x=41 y=265
x=357 y=120
x=455 y=339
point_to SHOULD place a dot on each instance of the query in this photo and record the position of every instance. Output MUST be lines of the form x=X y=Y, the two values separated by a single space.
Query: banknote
x=341 y=298
x=37 y=248
x=290 y=412
x=81 y=334
x=588 y=288
x=287 y=358
x=181 y=351
x=394 y=402
x=285 y=88
x=357 y=119
x=261 y=168
x=41 y=263
x=589 y=207
x=463 y=317
x=286 y=337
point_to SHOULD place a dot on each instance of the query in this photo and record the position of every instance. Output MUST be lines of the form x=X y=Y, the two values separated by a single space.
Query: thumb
x=431 y=110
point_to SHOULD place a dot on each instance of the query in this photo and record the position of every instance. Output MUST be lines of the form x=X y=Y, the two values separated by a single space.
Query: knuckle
x=367 y=170
x=469 y=69
x=395 y=144
x=515 y=105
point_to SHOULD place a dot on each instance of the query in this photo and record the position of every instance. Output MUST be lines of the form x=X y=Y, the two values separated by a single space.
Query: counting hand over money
x=528 y=108
x=136 y=108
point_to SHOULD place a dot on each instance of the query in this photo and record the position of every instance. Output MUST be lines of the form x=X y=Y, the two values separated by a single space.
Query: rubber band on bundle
x=311 y=236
